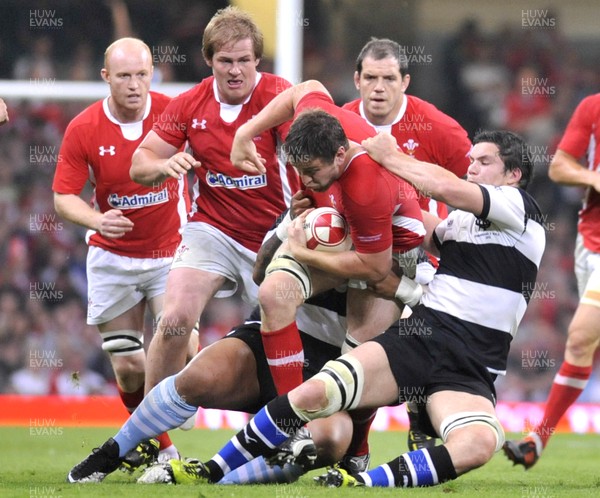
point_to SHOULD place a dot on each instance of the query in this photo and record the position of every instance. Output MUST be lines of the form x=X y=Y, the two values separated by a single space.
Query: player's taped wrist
x=281 y=230
x=409 y=292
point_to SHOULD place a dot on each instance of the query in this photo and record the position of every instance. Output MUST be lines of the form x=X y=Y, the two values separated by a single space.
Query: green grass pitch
x=34 y=464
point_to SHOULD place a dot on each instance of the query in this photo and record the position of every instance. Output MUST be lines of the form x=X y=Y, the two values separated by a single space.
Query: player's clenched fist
x=380 y=146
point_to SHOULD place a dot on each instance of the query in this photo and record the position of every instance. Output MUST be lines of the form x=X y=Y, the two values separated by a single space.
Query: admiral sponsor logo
x=137 y=200
x=242 y=182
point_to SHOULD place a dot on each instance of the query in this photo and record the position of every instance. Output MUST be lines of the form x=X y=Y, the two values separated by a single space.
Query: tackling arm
x=431 y=180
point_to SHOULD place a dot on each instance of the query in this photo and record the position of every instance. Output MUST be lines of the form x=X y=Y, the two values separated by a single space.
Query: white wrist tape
x=281 y=230
x=409 y=292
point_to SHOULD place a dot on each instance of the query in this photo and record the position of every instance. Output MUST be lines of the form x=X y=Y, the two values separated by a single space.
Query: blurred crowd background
x=526 y=78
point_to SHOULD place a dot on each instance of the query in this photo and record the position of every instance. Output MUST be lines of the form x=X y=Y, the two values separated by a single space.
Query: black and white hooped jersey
x=487 y=273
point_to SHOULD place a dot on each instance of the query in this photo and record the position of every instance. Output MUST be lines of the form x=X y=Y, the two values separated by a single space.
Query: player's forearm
x=436 y=182
x=276 y=112
x=280 y=109
x=347 y=264
x=263 y=258
x=566 y=170
x=429 y=179
x=74 y=209
x=430 y=221
x=146 y=167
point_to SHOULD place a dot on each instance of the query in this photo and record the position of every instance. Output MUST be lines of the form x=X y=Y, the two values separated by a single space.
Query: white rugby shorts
x=206 y=248
x=587 y=272
x=117 y=283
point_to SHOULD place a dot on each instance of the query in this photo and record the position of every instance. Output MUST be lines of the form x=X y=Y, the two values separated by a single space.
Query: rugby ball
x=326 y=230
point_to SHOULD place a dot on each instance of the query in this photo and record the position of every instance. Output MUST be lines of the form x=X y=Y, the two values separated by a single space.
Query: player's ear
x=356 y=79
x=514 y=176
x=405 y=82
x=104 y=74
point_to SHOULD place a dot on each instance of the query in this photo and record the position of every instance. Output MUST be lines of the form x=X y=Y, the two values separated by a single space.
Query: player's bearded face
x=381 y=88
x=234 y=69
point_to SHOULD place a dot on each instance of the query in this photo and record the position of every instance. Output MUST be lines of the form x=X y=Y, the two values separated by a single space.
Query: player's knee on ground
x=332 y=437
x=338 y=386
x=472 y=438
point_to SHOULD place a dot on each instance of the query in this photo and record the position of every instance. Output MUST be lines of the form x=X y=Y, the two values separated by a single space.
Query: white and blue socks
x=161 y=410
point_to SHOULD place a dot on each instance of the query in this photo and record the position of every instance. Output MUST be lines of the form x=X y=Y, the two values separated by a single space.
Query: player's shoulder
x=159 y=99
x=201 y=90
x=593 y=99
x=588 y=107
x=417 y=105
x=270 y=85
x=90 y=116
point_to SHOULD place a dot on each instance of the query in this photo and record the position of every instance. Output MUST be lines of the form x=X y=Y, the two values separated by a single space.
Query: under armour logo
x=201 y=124
x=110 y=150
x=248 y=438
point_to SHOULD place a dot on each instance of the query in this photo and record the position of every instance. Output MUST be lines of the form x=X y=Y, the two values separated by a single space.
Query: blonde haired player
x=231 y=211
